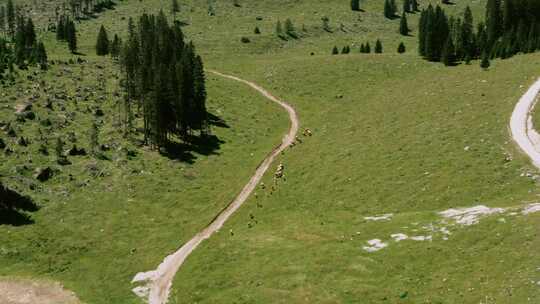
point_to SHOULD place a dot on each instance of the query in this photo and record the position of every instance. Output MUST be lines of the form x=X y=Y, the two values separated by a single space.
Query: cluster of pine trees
x=18 y=40
x=66 y=31
x=508 y=29
x=286 y=31
x=512 y=28
x=105 y=47
x=364 y=48
x=164 y=78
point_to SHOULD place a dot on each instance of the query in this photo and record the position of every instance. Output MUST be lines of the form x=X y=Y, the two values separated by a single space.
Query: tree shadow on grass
x=14 y=207
x=204 y=144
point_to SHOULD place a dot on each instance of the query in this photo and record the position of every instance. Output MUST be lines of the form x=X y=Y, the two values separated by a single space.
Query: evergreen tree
x=407 y=6
x=467 y=34
x=414 y=5
x=378 y=47
x=484 y=64
x=60 y=29
x=257 y=31
x=10 y=18
x=401 y=48
x=175 y=7
x=403 y=26
x=289 y=28
x=362 y=48
x=102 y=44
x=494 y=22
x=2 y=19
x=368 y=48
x=448 y=53
x=388 y=10
x=71 y=36
x=335 y=50
x=355 y=5
x=346 y=50
x=116 y=46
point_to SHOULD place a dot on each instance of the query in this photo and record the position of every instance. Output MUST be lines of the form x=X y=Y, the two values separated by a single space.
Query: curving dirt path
x=157 y=283
x=521 y=125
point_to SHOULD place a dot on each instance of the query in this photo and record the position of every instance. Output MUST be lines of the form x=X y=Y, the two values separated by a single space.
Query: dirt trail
x=521 y=125
x=157 y=283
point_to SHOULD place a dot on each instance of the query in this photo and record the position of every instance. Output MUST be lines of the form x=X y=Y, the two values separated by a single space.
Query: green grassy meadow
x=392 y=134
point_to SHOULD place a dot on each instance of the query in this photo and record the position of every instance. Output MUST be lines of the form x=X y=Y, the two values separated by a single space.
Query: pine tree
x=414 y=5
x=289 y=28
x=355 y=5
x=467 y=34
x=257 y=31
x=362 y=48
x=401 y=48
x=388 y=11
x=494 y=22
x=102 y=44
x=10 y=18
x=368 y=48
x=71 y=36
x=448 y=53
x=484 y=64
x=407 y=6
x=378 y=47
x=60 y=29
x=403 y=26
x=2 y=20
x=116 y=46
x=346 y=50
x=175 y=8
x=335 y=50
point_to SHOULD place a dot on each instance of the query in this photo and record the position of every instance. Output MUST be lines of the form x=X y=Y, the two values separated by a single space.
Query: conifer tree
x=378 y=47
x=414 y=5
x=257 y=31
x=407 y=6
x=484 y=64
x=10 y=18
x=494 y=22
x=116 y=46
x=102 y=44
x=60 y=29
x=175 y=7
x=362 y=48
x=335 y=50
x=403 y=26
x=388 y=11
x=289 y=28
x=71 y=36
x=448 y=53
x=368 y=48
x=401 y=48
x=355 y=5
x=2 y=19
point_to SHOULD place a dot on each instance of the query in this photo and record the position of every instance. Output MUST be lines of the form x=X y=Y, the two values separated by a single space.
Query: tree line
x=163 y=77
x=508 y=29
x=18 y=41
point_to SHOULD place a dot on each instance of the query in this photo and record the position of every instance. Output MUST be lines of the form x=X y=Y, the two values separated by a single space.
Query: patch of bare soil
x=15 y=291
